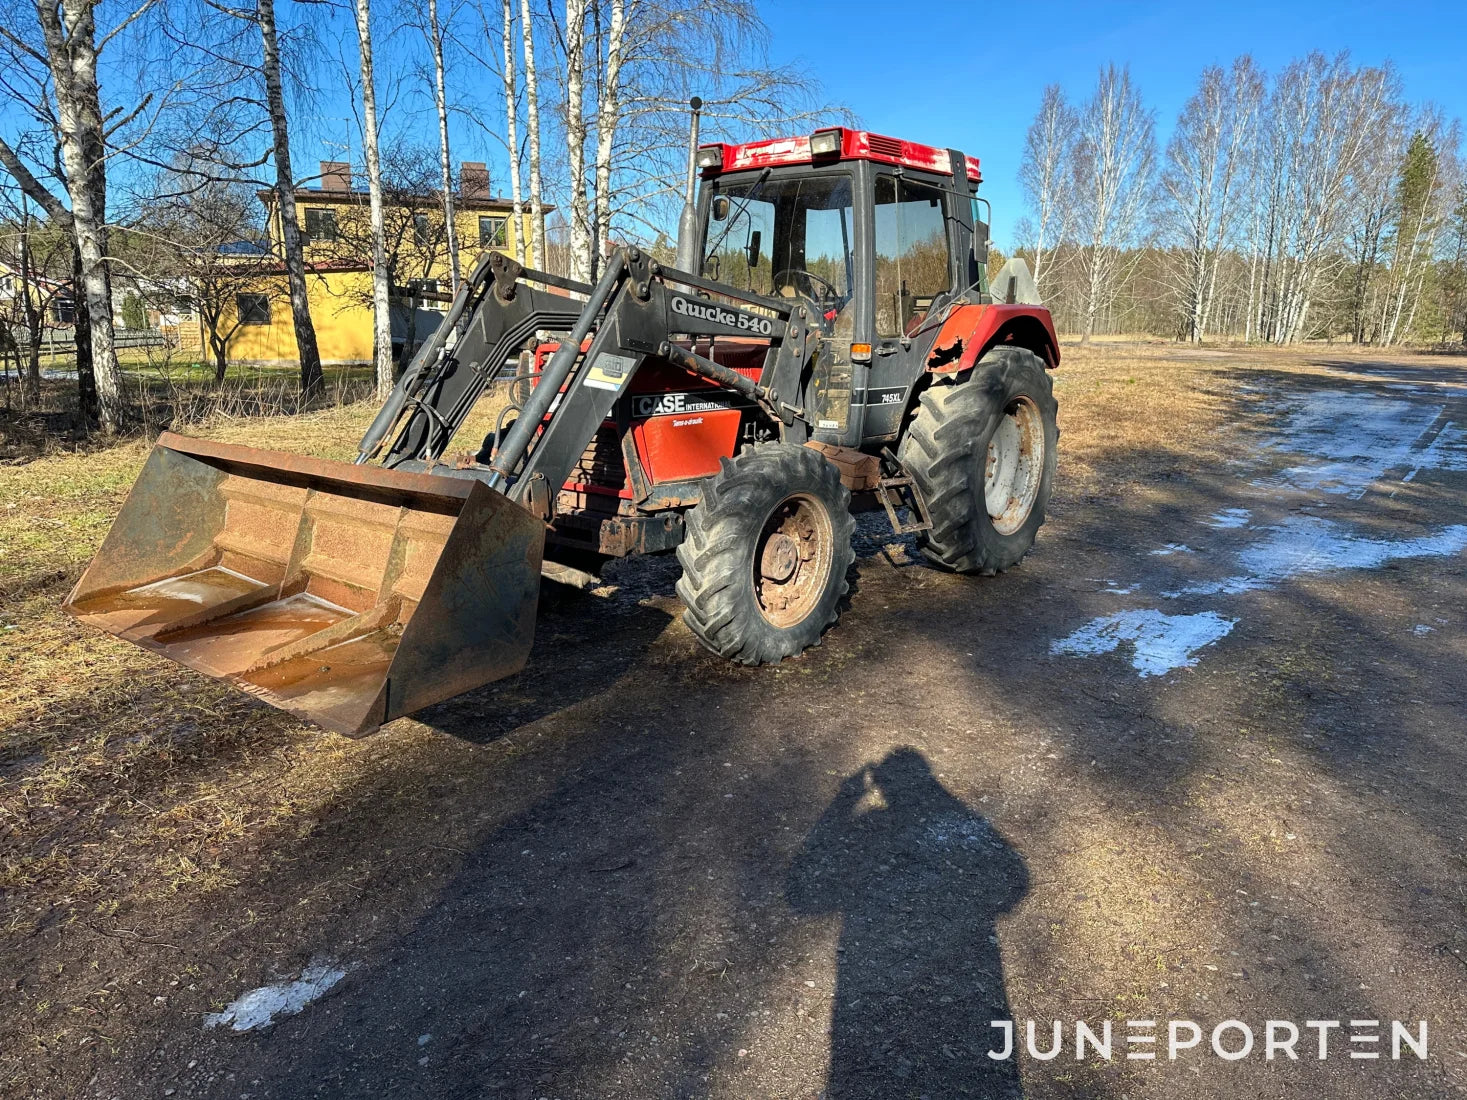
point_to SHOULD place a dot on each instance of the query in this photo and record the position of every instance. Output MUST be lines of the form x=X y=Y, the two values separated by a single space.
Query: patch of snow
x=1420 y=628
x=1160 y=642
x=260 y=1007
x=1230 y=518
x=1353 y=439
x=1173 y=548
x=1448 y=451
x=1307 y=544
x=1114 y=589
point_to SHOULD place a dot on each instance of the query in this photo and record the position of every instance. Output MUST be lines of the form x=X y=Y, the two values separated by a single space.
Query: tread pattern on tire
x=716 y=554
x=940 y=450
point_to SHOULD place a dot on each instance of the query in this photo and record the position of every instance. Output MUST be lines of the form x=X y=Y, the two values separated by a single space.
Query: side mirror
x=753 y=248
x=980 y=243
x=720 y=208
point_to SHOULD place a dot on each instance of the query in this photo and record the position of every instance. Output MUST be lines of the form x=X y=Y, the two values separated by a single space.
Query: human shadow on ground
x=919 y=881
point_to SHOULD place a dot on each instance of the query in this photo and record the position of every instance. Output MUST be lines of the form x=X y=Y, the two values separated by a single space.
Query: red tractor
x=839 y=346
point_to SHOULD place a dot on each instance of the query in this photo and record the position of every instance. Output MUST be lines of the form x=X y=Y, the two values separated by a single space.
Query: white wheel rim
x=1014 y=466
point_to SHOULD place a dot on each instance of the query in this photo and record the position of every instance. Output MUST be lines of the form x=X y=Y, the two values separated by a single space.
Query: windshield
x=782 y=237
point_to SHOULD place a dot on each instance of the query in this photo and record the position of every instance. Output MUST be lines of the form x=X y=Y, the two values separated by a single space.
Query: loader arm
x=630 y=315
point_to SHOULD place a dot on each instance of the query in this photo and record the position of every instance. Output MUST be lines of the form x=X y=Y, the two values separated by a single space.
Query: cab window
x=911 y=254
x=783 y=237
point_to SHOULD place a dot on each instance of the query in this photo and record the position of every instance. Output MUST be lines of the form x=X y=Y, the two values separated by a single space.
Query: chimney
x=335 y=175
x=473 y=180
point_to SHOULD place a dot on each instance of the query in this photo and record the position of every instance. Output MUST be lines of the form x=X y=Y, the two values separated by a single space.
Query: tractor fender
x=970 y=330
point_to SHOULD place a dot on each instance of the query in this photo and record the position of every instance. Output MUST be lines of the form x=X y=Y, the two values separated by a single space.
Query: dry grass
x=163 y=391
x=1119 y=401
x=120 y=774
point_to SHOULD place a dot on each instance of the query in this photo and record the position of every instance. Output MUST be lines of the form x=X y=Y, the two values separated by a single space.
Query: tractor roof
x=847 y=145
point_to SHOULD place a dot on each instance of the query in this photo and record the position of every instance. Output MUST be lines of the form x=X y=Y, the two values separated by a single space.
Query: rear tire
x=766 y=553
x=971 y=449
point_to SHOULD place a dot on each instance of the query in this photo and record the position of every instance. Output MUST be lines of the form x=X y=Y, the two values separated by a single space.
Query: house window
x=320 y=225
x=493 y=232
x=254 y=309
x=422 y=235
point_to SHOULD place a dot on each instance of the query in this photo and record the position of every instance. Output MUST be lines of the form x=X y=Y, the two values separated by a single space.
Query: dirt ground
x=1200 y=758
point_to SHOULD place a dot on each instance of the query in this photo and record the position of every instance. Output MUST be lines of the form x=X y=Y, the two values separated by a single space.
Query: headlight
x=710 y=156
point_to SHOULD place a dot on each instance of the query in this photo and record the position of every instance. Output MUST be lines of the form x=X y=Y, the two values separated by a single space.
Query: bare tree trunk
x=511 y=118
x=440 y=101
x=575 y=137
x=31 y=188
x=86 y=380
x=381 y=277
x=70 y=35
x=290 y=232
x=608 y=111
x=532 y=111
x=30 y=386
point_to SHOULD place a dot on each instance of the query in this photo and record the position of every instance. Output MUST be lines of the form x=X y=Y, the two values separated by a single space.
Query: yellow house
x=336 y=227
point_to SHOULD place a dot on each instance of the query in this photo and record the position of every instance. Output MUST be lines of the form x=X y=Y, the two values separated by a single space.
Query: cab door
x=913 y=271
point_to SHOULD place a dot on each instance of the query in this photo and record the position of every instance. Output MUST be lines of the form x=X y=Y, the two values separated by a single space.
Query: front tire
x=766 y=553
x=982 y=452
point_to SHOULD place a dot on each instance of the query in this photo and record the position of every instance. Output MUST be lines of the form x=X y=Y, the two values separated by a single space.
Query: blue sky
x=971 y=75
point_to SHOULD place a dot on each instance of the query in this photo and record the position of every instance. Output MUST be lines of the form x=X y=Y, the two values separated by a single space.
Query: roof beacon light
x=710 y=156
x=825 y=143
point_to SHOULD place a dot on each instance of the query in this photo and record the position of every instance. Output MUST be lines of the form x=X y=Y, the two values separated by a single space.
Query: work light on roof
x=710 y=156
x=825 y=143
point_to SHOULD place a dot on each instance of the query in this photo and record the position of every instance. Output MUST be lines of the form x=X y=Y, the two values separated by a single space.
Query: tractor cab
x=878 y=233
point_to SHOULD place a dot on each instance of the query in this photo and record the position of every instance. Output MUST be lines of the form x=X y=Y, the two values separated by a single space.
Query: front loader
x=840 y=347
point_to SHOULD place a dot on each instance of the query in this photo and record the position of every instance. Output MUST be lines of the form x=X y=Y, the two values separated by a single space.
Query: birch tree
x=293 y=255
x=646 y=58
x=1045 y=174
x=1454 y=275
x=1114 y=157
x=434 y=31
x=381 y=288
x=581 y=237
x=511 y=118
x=1367 y=238
x=608 y=112
x=1203 y=178
x=532 y=119
x=1325 y=116
x=70 y=54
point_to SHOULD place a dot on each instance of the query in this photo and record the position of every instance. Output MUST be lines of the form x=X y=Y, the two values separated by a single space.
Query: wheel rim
x=1015 y=466
x=792 y=561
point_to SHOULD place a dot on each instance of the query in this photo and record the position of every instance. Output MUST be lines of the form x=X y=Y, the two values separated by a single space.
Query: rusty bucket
x=348 y=595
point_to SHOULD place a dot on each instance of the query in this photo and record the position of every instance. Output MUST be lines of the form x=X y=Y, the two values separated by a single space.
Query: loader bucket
x=348 y=595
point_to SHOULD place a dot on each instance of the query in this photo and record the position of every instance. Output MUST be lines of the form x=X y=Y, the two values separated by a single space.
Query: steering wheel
x=831 y=293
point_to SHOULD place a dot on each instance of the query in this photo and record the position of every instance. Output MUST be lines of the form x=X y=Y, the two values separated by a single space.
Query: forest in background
x=1317 y=202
